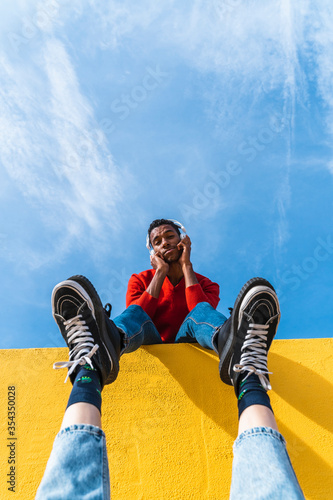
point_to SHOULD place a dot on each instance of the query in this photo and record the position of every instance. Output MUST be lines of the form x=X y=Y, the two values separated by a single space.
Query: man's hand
x=185 y=245
x=159 y=264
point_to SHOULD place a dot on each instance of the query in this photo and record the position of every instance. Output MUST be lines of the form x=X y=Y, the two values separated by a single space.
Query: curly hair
x=162 y=222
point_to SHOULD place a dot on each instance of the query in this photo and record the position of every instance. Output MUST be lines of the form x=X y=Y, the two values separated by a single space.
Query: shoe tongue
x=260 y=315
x=69 y=310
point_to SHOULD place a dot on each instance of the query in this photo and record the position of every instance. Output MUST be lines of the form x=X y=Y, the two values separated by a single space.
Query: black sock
x=251 y=392
x=86 y=388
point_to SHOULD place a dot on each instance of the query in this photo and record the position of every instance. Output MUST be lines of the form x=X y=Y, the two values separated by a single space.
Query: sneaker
x=90 y=335
x=246 y=339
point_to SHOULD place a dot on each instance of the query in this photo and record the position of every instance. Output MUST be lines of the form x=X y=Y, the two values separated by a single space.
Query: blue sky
x=218 y=114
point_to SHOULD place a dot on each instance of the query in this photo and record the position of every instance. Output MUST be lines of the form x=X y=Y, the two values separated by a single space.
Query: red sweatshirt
x=174 y=302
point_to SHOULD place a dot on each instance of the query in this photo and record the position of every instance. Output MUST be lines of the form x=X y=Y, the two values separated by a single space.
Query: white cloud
x=321 y=38
x=53 y=150
x=330 y=166
x=253 y=49
x=251 y=39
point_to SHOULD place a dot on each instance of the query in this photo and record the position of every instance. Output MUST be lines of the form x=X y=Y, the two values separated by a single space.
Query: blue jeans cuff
x=91 y=429
x=268 y=431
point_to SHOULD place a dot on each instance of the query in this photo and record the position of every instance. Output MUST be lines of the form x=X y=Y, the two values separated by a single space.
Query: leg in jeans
x=201 y=325
x=261 y=466
x=136 y=328
x=78 y=465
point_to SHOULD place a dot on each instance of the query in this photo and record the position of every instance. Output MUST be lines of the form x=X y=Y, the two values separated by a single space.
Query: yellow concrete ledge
x=170 y=422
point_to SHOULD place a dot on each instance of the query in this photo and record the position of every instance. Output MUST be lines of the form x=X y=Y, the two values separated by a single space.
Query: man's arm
x=162 y=269
x=185 y=262
x=138 y=294
x=205 y=291
x=195 y=292
x=189 y=276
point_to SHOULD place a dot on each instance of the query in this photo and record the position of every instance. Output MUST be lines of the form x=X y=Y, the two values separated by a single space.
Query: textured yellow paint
x=170 y=422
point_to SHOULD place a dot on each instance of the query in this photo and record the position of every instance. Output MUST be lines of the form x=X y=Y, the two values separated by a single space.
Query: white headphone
x=182 y=235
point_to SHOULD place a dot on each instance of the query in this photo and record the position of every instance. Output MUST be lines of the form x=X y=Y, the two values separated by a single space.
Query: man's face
x=164 y=240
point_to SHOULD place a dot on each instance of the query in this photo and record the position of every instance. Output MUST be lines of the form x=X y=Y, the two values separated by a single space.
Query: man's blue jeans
x=200 y=325
x=78 y=467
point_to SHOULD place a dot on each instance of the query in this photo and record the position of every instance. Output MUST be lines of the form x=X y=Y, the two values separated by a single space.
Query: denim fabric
x=137 y=329
x=200 y=325
x=261 y=468
x=78 y=466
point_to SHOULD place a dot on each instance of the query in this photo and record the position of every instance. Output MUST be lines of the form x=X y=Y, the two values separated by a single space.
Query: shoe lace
x=79 y=336
x=254 y=354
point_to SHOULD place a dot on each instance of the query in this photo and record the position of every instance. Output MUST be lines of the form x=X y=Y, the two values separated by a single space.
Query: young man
x=78 y=466
x=171 y=289
x=170 y=302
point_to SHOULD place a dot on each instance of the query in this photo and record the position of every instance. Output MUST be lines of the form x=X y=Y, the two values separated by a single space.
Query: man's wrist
x=189 y=274
x=161 y=272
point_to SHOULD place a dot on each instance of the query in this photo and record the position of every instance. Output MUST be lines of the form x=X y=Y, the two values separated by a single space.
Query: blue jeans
x=78 y=467
x=261 y=468
x=200 y=325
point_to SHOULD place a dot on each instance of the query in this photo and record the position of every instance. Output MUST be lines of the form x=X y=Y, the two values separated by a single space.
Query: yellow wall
x=170 y=422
